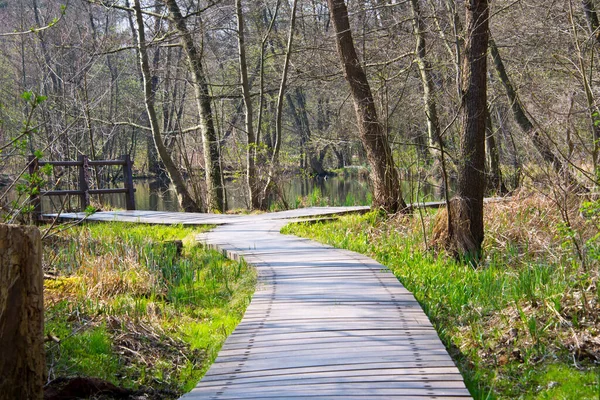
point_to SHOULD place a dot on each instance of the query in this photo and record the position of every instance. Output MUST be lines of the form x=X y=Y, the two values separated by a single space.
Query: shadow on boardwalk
x=324 y=323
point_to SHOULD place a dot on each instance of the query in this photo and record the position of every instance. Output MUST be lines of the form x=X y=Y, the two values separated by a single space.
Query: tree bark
x=387 y=192
x=433 y=125
x=251 y=178
x=279 y=108
x=466 y=225
x=22 y=365
x=215 y=191
x=185 y=200
x=495 y=183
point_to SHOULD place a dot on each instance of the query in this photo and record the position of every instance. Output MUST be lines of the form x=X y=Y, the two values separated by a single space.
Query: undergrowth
x=526 y=323
x=139 y=305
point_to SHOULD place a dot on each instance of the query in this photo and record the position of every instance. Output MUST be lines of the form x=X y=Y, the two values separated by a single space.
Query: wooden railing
x=84 y=191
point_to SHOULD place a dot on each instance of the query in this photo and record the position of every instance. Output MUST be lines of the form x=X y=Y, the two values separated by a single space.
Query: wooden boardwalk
x=323 y=323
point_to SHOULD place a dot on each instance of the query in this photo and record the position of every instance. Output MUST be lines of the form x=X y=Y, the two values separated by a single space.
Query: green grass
x=129 y=307
x=509 y=324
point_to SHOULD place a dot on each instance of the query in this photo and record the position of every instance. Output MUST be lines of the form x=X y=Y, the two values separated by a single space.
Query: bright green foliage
x=133 y=286
x=87 y=353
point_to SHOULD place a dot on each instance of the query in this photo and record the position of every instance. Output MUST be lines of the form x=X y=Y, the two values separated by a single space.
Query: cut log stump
x=22 y=366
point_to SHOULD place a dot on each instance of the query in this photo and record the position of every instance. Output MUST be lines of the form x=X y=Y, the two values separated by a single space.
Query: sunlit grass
x=132 y=305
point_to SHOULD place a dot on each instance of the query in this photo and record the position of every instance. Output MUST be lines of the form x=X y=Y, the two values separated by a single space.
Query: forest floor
x=136 y=311
x=526 y=322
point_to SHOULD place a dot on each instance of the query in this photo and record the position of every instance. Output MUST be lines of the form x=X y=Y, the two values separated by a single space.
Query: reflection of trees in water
x=338 y=190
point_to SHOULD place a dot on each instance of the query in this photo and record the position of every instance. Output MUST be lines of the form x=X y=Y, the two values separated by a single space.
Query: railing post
x=34 y=198
x=128 y=182
x=83 y=181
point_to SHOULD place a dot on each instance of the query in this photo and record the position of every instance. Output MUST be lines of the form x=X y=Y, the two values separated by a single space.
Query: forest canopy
x=202 y=92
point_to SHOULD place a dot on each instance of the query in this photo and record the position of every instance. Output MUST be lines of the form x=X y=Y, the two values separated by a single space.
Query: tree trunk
x=298 y=110
x=593 y=111
x=433 y=124
x=387 y=193
x=251 y=178
x=495 y=183
x=466 y=225
x=215 y=191
x=185 y=200
x=279 y=109
x=591 y=16
x=513 y=153
x=22 y=365
x=525 y=124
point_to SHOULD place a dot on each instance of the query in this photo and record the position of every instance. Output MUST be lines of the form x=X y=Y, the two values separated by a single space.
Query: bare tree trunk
x=466 y=225
x=279 y=108
x=251 y=178
x=593 y=111
x=283 y=85
x=183 y=195
x=215 y=191
x=298 y=109
x=591 y=16
x=45 y=53
x=525 y=124
x=457 y=41
x=154 y=166
x=495 y=183
x=387 y=192
x=433 y=125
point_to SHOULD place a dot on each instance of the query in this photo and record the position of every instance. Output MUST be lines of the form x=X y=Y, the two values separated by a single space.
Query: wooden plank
x=266 y=368
x=328 y=343
x=339 y=354
x=449 y=380
x=369 y=373
x=320 y=392
x=334 y=372
x=222 y=396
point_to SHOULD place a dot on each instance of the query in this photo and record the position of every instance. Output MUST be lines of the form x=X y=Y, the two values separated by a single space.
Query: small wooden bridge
x=323 y=323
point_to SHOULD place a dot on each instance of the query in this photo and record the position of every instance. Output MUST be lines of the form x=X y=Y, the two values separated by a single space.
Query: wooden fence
x=84 y=191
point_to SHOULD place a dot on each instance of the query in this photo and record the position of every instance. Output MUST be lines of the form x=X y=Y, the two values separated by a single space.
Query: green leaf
x=89 y=210
x=38 y=154
x=47 y=169
x=27 y=96
x=40 y=99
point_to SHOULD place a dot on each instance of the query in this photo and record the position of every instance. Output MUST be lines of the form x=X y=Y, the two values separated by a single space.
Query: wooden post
x=128 y=182
x=83 y=182
x=22 y=365
x=34 y=198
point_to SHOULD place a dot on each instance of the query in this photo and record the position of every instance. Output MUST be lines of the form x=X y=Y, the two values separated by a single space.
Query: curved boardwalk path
x=323 y=323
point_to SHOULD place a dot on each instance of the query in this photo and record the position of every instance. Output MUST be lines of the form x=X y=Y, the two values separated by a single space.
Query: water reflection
x=297 y=191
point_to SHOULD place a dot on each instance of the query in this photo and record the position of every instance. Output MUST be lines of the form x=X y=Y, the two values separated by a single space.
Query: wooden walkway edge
x=324 y=323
